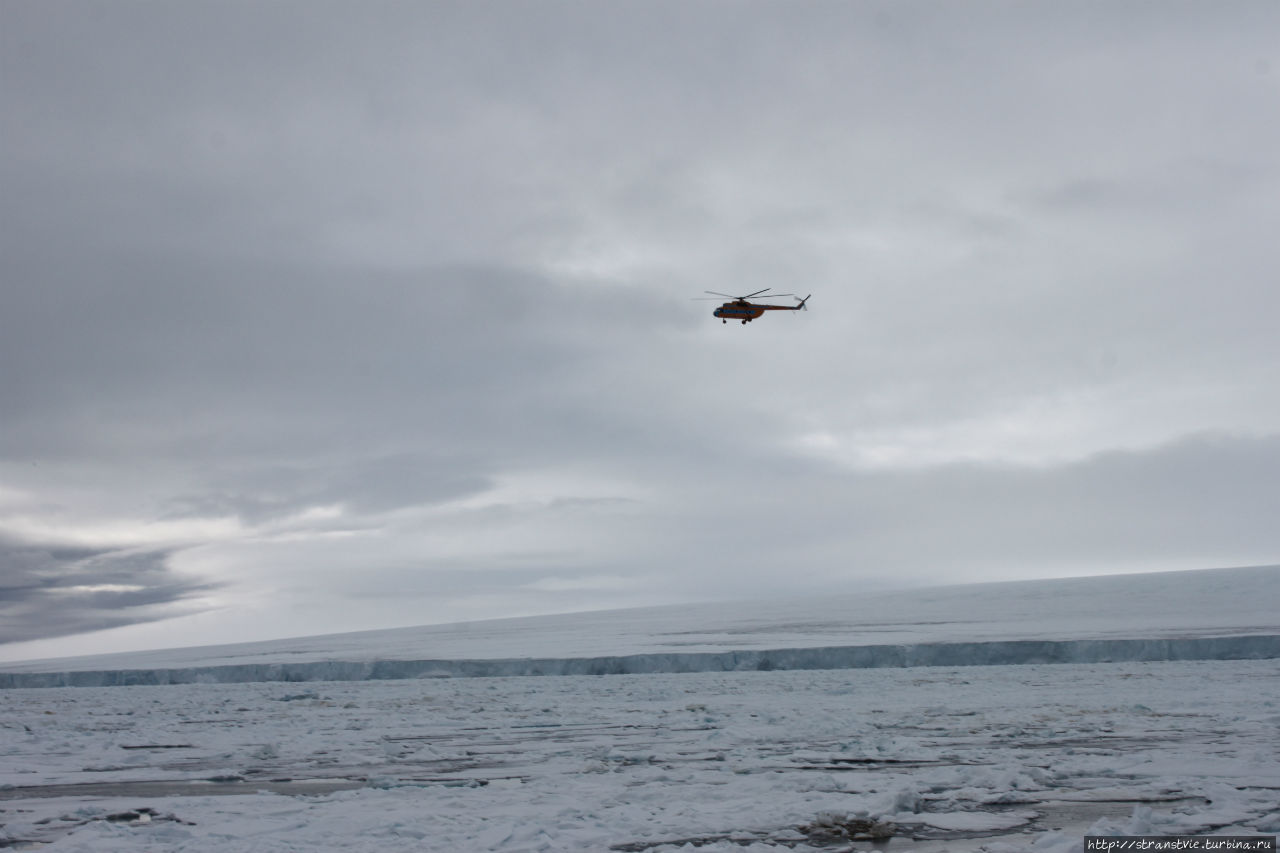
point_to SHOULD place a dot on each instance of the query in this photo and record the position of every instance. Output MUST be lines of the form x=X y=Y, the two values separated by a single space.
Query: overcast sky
x=319 y=317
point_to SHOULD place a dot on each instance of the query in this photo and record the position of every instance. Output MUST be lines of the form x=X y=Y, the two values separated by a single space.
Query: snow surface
x=1017 y=758
x=999 y=759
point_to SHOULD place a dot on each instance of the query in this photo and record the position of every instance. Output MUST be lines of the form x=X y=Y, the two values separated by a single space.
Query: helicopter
x=741 y=308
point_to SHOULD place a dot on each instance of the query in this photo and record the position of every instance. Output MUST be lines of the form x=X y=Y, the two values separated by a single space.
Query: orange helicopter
x=741 y=308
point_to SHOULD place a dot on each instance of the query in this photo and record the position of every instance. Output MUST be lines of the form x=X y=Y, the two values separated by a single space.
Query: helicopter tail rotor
x=802 y=306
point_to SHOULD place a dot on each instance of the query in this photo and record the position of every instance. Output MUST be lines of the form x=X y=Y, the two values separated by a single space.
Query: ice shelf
x=1002 y=653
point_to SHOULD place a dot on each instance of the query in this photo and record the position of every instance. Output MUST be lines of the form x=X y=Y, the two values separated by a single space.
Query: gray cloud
x=392 y=303
x=54 y=592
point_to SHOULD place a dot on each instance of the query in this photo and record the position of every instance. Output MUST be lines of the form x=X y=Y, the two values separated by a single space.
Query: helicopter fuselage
x=748 y=311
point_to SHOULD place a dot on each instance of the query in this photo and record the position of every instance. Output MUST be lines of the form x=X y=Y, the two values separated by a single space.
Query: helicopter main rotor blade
x=749 y=295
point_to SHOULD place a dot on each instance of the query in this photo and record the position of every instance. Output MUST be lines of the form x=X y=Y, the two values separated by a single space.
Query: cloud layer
x=332 y=318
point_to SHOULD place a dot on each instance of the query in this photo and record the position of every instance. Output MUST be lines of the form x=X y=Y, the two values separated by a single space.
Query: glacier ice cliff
x=997 y=653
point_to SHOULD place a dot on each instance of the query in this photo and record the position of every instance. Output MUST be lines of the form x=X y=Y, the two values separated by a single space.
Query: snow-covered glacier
x=1222 y=614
